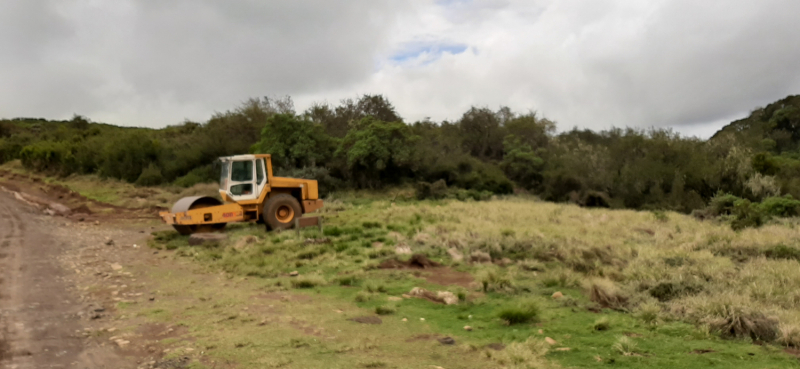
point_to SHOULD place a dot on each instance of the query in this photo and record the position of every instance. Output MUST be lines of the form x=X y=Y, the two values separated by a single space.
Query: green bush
x=747 y=215
x=151 y=176
x=723 y=204
x=384 y=310
x=785 y=206
x=523 y=312
x=782 y=252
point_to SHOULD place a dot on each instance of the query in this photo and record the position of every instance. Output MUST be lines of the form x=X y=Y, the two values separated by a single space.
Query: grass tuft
x=385 y=310
x=649 y=313
x=606 y=293
x=523 y=312
x=625 y=346
x=602 y=324
x=308 y=281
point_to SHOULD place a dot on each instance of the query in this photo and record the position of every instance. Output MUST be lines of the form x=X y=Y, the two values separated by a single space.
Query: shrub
x=384 y=310
x=308 y=281
x=785 y=206
x=151 y=176
x=782 y=252
x=625 y=346
x=348 y=280
x=666 y=291
x=730 y=316
x=435 y=190
x=602 y=324
x=528 y=354
x=363 y=296
x=648 y=313
x=789 y=335
x=660 y=216
x=523 y=312
x=607 y=294
x=373 y=287
x=494 y=280
x=722 y=204
x=747 y=215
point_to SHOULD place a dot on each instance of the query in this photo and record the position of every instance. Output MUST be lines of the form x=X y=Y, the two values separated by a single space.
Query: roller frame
x=223 y=213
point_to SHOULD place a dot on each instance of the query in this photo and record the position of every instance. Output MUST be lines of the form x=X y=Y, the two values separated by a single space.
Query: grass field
x=640 y=289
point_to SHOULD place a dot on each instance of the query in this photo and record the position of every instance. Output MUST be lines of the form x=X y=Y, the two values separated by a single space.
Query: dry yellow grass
x=634 y=249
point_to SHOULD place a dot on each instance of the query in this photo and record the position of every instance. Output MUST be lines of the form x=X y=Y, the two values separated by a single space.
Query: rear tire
x=281 y=211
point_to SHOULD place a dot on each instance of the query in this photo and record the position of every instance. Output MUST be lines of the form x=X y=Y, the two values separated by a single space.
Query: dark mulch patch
x=366 y=320
x=417 y=261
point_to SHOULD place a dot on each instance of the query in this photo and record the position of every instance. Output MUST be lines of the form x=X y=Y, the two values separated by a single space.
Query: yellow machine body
x=191 y=213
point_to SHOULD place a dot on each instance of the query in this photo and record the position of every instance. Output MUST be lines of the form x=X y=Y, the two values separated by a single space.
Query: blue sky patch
x=432 y=51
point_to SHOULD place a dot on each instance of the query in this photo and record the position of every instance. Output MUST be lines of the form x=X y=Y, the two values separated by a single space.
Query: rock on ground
x=60 y=209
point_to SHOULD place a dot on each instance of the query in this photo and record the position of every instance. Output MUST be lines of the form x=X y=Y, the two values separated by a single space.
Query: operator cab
x=242 y=177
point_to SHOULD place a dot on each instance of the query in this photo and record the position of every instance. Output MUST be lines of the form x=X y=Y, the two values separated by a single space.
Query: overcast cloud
x=692 y=65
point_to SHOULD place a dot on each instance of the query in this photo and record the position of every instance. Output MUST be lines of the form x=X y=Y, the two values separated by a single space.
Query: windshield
x=223 y=176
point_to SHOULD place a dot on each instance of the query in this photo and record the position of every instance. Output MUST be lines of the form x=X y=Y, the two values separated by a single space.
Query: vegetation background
x=363 y=143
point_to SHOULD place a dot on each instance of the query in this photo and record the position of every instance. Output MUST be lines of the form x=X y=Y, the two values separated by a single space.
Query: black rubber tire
x=276 y=203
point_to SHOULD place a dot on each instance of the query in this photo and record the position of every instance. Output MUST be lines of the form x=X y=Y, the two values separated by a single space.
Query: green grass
x=609 y=265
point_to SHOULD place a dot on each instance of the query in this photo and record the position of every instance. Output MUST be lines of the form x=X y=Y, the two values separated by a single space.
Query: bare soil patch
x=448 y=277
x=417 y=261
x=366 y=320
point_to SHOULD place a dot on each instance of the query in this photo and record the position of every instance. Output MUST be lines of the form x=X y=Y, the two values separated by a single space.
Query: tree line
x=364 y=143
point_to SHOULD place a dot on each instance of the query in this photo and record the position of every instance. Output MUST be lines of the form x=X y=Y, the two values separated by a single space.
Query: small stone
x=422 y=319
x=96 y=222
x=116 y=266
x=152 y=299
x=563 y=349
x=111 y=330
x=109 y=241
x=467 y=328
x=541 y=331
x=404 y=320
x=122 y=343
x=447 y=341
x=557 y=295
x=550 y=341
x=294 y=274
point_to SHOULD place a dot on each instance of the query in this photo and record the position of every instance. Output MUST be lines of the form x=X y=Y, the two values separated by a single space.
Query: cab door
x=242 y=184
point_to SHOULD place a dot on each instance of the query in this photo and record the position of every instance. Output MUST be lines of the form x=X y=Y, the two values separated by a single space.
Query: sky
x=693 y=66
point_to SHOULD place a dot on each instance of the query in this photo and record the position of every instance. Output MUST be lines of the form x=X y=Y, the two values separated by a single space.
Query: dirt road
x=41 y=315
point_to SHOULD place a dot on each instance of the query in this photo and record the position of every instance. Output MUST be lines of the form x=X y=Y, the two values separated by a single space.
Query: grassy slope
x=566 y=244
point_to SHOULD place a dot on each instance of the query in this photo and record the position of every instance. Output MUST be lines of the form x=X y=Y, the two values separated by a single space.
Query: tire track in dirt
x=9 y=232
x=39 y=312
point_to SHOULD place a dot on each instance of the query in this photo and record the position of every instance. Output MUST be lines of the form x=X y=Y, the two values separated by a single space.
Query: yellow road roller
x=250 y=193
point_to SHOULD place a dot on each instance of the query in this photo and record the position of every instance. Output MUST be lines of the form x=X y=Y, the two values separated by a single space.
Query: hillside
x=774 y=128
x=365 y=144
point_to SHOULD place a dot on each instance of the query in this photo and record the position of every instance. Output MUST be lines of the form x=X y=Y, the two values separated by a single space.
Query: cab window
x=260 y=171
x=242 y=171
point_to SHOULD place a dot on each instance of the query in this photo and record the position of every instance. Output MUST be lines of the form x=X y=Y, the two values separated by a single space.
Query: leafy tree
x=294 y=142
x=482 y=134
x=521 y=163
x=376 y=151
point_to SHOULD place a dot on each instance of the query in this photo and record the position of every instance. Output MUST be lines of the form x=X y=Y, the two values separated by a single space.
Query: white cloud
x=686 y=64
